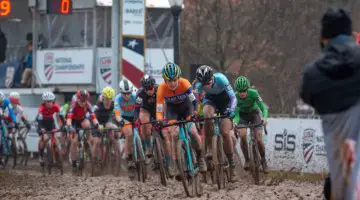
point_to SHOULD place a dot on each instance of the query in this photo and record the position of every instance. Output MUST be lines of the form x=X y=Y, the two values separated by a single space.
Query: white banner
x=65 y=66
x=155 y=60
x=133 y=17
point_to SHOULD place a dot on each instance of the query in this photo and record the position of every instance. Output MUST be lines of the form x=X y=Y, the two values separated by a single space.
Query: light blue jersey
x=125 y=108
x=221 y=84
x=7 y=105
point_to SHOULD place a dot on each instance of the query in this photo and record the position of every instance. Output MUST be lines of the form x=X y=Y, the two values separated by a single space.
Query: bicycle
x=138 y=153
x=8 y=147
x=186 y=159
x=218 y=165
x=53 y=153
x=108 y=155
x=22 y=153
x=254 y=154
x=158 y=152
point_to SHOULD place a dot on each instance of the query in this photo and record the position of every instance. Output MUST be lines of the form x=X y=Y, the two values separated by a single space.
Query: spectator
x=330 y=85
x=27 y=74
x=3 y=45
x=29 y=37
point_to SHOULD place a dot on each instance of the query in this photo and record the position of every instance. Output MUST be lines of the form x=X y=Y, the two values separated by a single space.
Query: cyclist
x=220 y=96
x=65 y=109
x=247 y=110
x=124 y=114
x=176 y=93
x=6 y=105
x=76 y=118
x=14 y=98
x=104 y=111
x=45 y=118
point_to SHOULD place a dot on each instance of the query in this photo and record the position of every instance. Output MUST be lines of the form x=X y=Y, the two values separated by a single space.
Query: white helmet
x=2 y=96
x=48 y=96
x=15 y=95
x=125 y=86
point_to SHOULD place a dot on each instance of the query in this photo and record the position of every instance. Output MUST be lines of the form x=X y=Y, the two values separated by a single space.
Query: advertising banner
x=65 y=66
x=133 y=17
x=155 y=60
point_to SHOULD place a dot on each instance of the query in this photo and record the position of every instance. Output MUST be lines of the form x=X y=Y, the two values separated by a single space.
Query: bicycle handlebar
x=252 y=126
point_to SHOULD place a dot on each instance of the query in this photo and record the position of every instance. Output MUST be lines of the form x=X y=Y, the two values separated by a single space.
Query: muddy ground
x=30 y=184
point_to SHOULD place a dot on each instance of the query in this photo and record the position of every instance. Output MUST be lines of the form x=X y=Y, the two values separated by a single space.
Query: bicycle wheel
x=187 y=179
x=160 y=161
x=219 y=162
x=254 y=161
x=22 y=150
x=140 y=160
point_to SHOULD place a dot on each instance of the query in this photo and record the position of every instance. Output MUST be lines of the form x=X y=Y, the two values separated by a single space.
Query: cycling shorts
x=179 y=111
x=47 y=124
x=219 y=101
x=252 y=117
x=77 y=123
x=152 y=112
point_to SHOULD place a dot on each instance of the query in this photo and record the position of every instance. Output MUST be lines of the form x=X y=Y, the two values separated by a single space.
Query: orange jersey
x=166 y=95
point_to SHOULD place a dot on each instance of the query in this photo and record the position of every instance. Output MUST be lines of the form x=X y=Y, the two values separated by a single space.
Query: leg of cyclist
x=127 y=130
x=244 y=146
x=197 y=147
x=144 y=116
x=256 y=119
x=73 y=149
x=85 y=124
x=95 y=145
x=226 y=127
x=209 y=111
x=114 y=137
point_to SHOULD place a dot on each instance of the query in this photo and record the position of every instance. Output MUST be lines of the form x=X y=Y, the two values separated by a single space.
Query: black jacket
x=331 y=84
x=3 y=44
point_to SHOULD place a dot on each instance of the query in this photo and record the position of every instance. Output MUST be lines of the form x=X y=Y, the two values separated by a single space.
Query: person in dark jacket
x=331 y=85
x=3 y=45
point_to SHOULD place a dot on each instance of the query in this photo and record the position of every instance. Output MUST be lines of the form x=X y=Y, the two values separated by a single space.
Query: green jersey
x=251 y=103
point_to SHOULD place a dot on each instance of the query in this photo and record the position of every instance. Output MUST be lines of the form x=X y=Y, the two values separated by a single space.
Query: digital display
x=5 y=8
x=60 y=7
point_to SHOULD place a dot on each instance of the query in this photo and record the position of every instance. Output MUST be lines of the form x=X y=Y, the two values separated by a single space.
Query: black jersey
x=102 y=114
x=145 y=101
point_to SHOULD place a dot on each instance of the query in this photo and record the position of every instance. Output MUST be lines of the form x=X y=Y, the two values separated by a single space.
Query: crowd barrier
x=10 y=74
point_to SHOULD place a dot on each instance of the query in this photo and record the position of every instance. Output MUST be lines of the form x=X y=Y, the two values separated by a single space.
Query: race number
x=228 y=87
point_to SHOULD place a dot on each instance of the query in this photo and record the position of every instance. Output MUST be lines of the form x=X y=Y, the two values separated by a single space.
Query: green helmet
x=242 y=83
x=171 y=71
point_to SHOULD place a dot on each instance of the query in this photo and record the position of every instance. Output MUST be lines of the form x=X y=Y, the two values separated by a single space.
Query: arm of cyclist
x=117 y=110
x=262 y=107
x=160 y=102
x=138 y=103
x=230 y=92
x=92 y=115
x=10 y=110
x=236 y=119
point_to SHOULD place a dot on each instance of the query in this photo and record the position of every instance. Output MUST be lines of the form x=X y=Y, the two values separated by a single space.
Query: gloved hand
x=101 y=128
x=121 y=123
x=158 y=125
x=229 y=113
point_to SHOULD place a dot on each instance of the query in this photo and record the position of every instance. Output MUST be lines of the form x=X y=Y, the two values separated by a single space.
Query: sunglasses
x=125 y=93
x=208 y=83
x=147 y=89
x=243 y=91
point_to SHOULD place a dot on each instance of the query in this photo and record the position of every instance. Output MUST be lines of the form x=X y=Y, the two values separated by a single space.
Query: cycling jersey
x=103 y=114
x=252 y=103
x=181 y=95
x=19 y=114
x=45 y=113
x=7 y=105
x=79 y=113
x=123 y=108
x=220 y=87
x=145 y=101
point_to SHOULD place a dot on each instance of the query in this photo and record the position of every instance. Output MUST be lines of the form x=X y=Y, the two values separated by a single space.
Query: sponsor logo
x=139 y=100
x=285 y=144
x=49 y=65
x=105 y=69
x=312 y=145
x=159 y=108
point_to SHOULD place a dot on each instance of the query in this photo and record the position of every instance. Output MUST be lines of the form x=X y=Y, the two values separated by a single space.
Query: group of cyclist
x=174 y=99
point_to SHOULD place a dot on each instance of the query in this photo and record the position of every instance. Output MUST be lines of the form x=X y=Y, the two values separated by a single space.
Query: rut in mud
x=30 y=184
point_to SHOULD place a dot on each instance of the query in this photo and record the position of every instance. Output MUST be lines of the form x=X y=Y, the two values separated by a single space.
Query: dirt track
x=29 y=184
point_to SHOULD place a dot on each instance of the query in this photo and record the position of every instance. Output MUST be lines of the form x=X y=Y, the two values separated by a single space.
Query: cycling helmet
x=14 y=97
x=125 y=86
x=204 y=74
x=147 y=81
x=108 y=92
x=83 y=95
x=2 y=96
x=48 y=96
x=171 y=71
x=242 y=83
